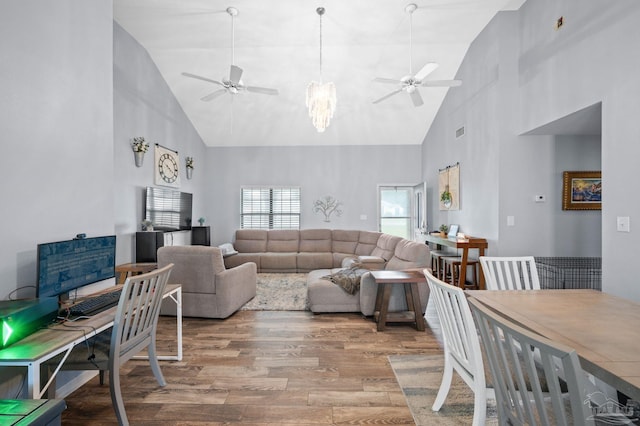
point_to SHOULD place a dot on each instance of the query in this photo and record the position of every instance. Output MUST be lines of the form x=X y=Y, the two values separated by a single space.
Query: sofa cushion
x=385 y=246
x=344 y=241
x=241 y=258
x=310 y=261
x=325 y=296
x=283 y=240
x=315 y=240
x=251 y=240
x=409 y=254
x=278 y=262
x=367 y=241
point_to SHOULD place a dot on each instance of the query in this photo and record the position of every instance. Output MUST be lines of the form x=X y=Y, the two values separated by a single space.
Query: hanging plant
x=445 y=197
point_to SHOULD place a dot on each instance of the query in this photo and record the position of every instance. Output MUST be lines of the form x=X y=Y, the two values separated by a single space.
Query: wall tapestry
x=449 y=187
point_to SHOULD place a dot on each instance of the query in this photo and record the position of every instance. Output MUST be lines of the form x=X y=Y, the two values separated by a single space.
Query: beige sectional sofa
x=322 y=252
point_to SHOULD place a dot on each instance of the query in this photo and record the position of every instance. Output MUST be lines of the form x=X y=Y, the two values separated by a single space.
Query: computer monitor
x=64 y=266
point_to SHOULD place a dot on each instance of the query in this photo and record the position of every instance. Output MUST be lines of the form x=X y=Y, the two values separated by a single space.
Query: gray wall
x=348 y=173
x=56 y=117
x=56 y=121
x=519 y=75
x=144 y=106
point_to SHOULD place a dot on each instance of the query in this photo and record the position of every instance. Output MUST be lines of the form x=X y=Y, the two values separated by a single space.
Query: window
x=270 y=208
x=395 y=210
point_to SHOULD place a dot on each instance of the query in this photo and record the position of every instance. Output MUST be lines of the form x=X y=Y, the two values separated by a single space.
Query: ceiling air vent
x=460 y=132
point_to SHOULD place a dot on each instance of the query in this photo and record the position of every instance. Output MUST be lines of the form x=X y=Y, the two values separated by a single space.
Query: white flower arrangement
x=139 y=144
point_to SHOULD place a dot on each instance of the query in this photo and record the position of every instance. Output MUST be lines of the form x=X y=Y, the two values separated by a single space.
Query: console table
x=409 y=281
x=32 y=351
x=465 y=244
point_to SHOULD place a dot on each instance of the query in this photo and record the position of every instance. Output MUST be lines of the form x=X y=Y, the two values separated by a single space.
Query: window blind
x=270 y=208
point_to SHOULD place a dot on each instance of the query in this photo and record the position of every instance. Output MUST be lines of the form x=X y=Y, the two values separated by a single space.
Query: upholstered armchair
x=209 y=290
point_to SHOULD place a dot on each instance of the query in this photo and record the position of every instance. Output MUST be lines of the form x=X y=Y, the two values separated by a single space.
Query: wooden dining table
x=464 y=244
x=603 y=329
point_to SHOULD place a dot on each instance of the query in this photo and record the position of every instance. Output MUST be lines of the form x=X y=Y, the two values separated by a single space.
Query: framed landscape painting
x=582 y=191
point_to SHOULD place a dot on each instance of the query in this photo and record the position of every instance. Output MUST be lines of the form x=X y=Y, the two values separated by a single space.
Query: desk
x=25 y=412
x=465 y=244
x=45 y=344
x=409 y=280
x=126 y=270
x=603 y=329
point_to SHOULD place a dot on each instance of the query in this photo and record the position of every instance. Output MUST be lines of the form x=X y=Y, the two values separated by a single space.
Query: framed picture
x=582 y=191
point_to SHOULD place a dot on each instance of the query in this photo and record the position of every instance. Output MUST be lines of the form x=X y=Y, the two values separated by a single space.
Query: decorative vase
x=139 y=157
x=189 y=172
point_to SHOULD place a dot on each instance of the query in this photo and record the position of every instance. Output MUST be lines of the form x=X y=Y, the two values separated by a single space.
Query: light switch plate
x=623 y=224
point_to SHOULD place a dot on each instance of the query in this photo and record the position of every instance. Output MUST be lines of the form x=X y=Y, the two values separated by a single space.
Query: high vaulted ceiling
x=277 y=44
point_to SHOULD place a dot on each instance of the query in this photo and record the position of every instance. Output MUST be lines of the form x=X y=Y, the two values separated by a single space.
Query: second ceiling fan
x=233 y=85
x=410 y=83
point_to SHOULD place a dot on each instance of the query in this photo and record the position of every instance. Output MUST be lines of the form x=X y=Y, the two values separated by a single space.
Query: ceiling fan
x=233 y=84
x=410 y=83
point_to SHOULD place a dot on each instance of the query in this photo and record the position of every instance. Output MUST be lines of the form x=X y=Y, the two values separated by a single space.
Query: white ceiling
x=277 y=46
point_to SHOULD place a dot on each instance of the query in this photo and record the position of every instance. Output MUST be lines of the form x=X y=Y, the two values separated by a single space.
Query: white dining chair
x=518 y=379
x=462 y=351
x=510 y=273
x=134 y=329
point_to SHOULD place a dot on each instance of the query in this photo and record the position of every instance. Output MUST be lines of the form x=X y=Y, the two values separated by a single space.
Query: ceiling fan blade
x=387 y=80
x=263 y=90
x=442 y=83
x=425 y=71
x=235 y=74
x=186 y=74
x=211 y=96
x=387 y=96
x=416 y=98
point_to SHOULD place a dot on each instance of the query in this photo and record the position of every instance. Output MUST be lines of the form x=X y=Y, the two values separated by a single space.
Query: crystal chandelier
x=321 y=98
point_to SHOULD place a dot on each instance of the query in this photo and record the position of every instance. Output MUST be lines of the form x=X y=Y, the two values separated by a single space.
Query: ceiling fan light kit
x=410 y=83
x=321 y=98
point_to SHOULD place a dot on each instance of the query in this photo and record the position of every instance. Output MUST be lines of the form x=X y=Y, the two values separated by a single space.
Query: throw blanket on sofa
x=348 y=279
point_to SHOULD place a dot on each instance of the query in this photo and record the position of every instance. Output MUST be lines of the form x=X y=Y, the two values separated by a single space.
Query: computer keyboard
x=96 y=304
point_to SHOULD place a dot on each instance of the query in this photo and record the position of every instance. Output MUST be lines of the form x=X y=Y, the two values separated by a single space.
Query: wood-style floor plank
x=265 y=368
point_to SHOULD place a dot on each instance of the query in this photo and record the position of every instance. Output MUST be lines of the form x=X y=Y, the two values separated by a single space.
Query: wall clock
x=167 y=171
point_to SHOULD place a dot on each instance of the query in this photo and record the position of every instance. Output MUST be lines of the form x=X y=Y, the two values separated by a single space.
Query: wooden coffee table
x=409 y=281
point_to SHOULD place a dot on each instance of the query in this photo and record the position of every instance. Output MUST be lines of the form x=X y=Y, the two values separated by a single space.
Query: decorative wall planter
x=139 y=147
x=189 y=172
x=139 y=158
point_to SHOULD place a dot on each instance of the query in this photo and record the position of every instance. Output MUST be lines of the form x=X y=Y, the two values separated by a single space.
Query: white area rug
x=279 y=292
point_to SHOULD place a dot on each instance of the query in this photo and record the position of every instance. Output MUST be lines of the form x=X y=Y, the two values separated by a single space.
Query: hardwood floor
x=266 y=368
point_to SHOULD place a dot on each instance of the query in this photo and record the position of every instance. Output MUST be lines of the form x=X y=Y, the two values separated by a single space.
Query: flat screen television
x=168 y=209
x=67 y=265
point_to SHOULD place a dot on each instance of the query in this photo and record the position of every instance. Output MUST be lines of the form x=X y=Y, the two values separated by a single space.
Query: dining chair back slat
x=510 y=273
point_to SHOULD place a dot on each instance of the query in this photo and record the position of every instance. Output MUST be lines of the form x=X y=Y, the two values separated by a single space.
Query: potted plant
x=201 y=221
x=147 y=225
x=443 y=230
x=139 y=147
x=445 y=197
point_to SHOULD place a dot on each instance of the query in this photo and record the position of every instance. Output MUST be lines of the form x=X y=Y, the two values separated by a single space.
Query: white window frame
x=267 y=211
